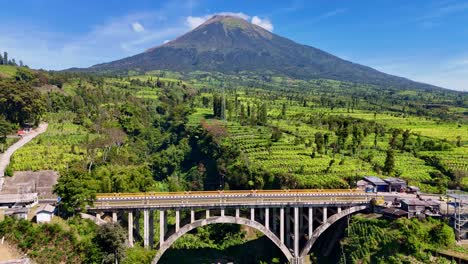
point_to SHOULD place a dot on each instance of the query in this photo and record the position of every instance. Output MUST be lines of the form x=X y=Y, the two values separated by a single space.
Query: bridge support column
x=324 y=219
x=252 y=214
x=222 y=211
x=114 y=217
x=146 y=228
x=98 y=217
x=162 y=226
x=297 y=260
x=288 y=227
x=192 y=216
x=177 y=220
x=267 y=218
x=296 y=231
x=207 y=214
x=339 y=210
x=237 y=213
x=130 y=229
x=282 y=224
x=311 y=221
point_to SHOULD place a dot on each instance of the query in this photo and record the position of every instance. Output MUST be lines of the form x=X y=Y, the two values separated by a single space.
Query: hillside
x=232 y=45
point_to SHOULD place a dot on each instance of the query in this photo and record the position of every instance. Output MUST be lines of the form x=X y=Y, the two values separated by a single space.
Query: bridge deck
x=226 y=199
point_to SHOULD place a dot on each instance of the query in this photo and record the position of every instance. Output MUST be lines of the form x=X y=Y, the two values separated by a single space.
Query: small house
x=395 y=184
x=417 y=206
x=394 y=213
x=44 y=213
x=378 y=184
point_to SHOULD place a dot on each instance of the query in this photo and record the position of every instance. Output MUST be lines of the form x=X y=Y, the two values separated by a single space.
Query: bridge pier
x=296 y=231
x=324 y=218
x=162 y=226
x=130 y=229
x=192 y=216
x=146 y=228
x=311 y=221
x=177 y=220
x=282 y=225
x=267 y=218
x=288 y=227
x=114 y=217
x=252 y=214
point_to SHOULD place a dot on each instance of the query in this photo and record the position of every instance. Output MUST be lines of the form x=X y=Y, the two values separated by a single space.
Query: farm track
x=5 y=157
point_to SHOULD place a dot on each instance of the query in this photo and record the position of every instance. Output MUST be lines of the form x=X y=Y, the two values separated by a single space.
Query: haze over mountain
x=231 y=45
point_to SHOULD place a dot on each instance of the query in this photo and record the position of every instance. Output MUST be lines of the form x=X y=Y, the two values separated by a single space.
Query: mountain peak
x=230 y=22
x=230 y=44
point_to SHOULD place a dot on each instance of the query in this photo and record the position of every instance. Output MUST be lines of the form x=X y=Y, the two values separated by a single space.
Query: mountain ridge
x=230 y=45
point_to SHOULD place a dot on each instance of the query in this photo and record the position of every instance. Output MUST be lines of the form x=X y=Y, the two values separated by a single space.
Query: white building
x=44 y=213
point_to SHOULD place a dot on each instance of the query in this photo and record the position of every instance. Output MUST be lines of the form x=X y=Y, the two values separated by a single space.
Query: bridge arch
x=221 y=220
x=323 y=227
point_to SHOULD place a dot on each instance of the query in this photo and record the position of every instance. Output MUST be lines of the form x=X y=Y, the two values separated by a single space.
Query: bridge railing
x=230 y=192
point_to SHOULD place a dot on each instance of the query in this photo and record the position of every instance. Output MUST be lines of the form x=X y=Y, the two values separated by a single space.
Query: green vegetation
x=401 y=241
x=74 y=241
x=165 y=131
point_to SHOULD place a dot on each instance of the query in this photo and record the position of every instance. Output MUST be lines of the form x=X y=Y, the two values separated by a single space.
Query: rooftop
x=393 y=180
x=395 y=211
x=418 y=202
x=45 y=208
x=375 y=180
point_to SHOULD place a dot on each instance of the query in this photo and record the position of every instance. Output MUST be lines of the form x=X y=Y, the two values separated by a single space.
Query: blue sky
x=425 y=41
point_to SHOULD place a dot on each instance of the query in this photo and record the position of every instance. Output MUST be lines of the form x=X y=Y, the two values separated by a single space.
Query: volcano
x=232 y=45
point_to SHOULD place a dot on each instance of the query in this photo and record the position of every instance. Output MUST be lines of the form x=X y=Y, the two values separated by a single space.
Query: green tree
x=110 y=238
x=276 y=134
x=389 y=165
x=406 y=135
x=76 y=189
x=319 y=141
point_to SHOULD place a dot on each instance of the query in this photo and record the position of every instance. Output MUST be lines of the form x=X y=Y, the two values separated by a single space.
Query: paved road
x=216 y=199
x=5 y=157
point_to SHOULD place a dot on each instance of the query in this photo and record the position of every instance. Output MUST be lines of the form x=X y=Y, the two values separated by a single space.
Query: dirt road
x=5 y=157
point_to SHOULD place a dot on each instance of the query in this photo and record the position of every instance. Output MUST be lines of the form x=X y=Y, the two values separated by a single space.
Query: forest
x=165 y=131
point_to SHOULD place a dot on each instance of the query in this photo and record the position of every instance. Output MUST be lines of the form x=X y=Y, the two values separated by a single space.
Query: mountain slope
x=229 y=45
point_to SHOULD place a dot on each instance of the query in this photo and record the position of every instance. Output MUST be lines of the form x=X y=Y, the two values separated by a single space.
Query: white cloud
x=193 y=22
x=264 y=23
x=137 y=27
x=166 y=41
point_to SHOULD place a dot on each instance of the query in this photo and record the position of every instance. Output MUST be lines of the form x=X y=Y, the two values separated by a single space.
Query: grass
x=7 y=71
x=55 y=149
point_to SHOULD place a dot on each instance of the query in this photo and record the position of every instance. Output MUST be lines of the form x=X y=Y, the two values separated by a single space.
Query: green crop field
x=55 y=149
x=292 y=154
x=7 y=70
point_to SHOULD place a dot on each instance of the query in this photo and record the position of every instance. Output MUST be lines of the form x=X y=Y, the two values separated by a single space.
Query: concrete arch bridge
x=292 y=219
